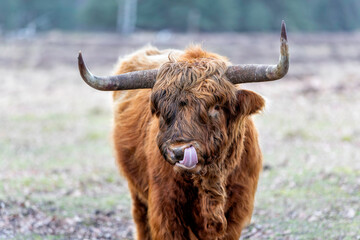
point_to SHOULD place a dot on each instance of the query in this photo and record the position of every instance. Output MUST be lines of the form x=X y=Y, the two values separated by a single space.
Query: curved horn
x=261 y=73
x=130 y=80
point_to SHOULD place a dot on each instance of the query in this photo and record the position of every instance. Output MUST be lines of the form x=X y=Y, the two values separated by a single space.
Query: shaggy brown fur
x=193 y=103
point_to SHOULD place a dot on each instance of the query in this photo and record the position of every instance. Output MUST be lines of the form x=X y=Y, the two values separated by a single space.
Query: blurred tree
x=257 y=16
x=334 y=15
x=218 y=15
x=99 y=15
x=9 y=21
x=213 y=15
x=181 y=15
x=298 y=14
x=126 y=18
x=44 y=14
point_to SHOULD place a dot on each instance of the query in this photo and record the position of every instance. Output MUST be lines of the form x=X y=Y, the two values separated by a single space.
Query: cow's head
x=197 y=107
x=195 y=100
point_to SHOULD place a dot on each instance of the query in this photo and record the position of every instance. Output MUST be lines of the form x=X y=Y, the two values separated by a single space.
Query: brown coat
x=192 y=103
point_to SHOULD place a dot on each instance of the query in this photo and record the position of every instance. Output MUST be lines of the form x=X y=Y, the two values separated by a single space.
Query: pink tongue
x=190 y=158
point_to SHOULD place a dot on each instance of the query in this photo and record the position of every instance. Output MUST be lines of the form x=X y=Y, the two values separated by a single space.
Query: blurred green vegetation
x=183 y=15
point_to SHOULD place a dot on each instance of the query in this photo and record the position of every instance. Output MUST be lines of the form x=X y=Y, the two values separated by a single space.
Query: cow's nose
x=178 y=152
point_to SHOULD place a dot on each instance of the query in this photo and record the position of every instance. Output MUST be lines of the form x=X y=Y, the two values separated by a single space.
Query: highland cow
x=185 y=141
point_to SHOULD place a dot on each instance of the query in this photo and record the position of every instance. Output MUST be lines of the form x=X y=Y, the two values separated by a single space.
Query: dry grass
x=58 y=179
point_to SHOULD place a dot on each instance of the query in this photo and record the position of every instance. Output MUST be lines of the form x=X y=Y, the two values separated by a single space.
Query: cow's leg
x=165 y=224
x=242 y=186
x=140 y=215
x=239 y=213
x=236 y=222
x=166 y=216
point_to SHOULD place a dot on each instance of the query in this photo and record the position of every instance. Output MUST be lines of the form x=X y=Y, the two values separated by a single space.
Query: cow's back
x=132 y=116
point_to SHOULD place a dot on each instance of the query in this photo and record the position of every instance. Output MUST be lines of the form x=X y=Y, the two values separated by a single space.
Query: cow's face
x=197 y=107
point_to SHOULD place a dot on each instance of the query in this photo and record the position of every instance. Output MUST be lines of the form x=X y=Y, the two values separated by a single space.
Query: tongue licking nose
x=190 y=158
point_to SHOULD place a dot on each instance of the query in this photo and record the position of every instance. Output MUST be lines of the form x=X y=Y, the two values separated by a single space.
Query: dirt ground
x=58 y=178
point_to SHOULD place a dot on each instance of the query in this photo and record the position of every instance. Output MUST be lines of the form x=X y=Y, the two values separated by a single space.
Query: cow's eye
x=214 y=111
x=167 y=120
x=183 y=103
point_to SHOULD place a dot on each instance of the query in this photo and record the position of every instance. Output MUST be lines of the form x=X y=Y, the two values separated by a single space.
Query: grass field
x=58 y=178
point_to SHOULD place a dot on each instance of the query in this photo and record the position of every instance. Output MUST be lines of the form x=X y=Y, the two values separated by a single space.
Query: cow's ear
x=249 y=102
x=155 y=99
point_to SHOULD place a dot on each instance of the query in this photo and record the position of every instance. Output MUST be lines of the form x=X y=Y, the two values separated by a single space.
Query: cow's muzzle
x=183 y=155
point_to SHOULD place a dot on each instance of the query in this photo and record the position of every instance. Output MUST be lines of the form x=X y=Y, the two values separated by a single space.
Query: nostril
x=171 y=153
x=179 y=153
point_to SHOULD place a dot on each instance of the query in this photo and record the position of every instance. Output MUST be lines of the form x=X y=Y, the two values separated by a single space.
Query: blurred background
x=126 y=16
x=58 y=177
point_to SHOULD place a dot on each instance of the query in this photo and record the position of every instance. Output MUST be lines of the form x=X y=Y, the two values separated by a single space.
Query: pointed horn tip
x=81 y=65
x=80 y=56
x=283 y=30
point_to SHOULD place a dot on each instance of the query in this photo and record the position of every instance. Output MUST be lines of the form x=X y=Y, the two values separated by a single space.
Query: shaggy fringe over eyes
x=196 y=70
